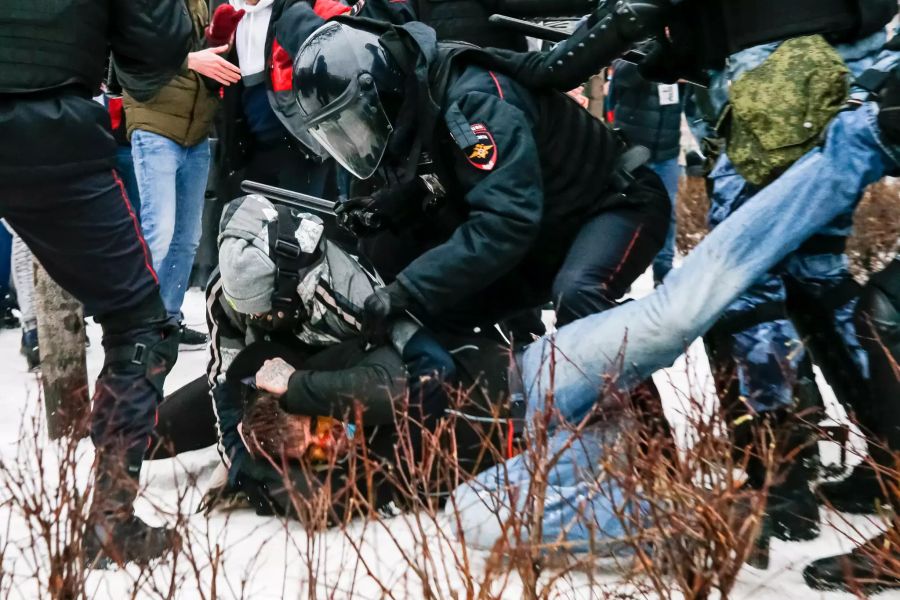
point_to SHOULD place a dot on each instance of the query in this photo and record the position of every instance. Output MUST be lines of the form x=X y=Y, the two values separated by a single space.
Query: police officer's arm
x=500 y=171
x=150 y=43
x=611 y=30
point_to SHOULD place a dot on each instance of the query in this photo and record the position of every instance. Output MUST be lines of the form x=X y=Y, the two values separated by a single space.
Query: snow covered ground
x=264 y=558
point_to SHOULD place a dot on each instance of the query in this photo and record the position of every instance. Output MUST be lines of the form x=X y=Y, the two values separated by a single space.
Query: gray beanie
x=248 y=272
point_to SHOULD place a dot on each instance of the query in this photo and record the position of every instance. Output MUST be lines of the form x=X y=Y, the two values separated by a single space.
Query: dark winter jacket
x=183 y=110
x=291 y=22
x=640 y=116
x=460 y=20
x=52 y=61
x=522 y=171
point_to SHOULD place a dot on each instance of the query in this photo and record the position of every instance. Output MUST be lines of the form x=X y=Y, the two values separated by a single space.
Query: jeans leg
x=23 y=275
x=156 y=161
x=175 y=273
x=669 y=172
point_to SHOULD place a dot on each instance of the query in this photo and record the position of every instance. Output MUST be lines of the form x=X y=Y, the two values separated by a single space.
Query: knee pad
x=140 y=341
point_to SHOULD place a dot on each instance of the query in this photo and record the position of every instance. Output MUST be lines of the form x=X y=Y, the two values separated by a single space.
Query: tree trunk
x=63 y=363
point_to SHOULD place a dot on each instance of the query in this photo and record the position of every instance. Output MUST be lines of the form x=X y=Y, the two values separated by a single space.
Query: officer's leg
x=612 y=250
x=870 y=380
x=764 y=379
x=86 y=236
x=878 y=324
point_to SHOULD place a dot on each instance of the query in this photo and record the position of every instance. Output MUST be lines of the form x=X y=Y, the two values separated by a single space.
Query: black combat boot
x=867 y=569
x=114 y=534
x=860 y=493
x=792 y=509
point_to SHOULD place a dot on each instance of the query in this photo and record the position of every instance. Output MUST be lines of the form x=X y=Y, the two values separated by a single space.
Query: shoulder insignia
x=483 y=154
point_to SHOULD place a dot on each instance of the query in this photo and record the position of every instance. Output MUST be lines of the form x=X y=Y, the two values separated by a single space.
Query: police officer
x=488 y=198
x=59 y=191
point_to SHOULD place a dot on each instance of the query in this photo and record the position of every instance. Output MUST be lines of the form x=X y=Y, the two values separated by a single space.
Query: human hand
x=274 y=376
x=223 y=24
x=381 y=308
x=208 y=63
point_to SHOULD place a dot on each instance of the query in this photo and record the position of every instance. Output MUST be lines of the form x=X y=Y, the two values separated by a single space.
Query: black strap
x=872 y=80
x=738 y=321
x=824 y=244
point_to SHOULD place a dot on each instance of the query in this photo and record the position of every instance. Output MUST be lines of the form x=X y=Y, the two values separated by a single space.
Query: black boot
x=860 y=493
x=792 y=509
x=114 y=534
x=871 y=567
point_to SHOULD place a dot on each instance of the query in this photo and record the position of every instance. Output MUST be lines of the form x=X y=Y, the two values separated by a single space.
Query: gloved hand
x=358 y=216
x=381 y=308
x=389 y=206
x=223 y=24
x=668 y=63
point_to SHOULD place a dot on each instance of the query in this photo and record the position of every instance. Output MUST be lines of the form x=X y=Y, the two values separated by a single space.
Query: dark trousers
x=86 y=235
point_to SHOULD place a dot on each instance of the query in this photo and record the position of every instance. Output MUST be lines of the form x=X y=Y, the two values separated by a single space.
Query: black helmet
x=349 y=90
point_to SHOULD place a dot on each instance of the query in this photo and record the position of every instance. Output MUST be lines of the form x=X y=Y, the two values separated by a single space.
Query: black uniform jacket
x=523 y=170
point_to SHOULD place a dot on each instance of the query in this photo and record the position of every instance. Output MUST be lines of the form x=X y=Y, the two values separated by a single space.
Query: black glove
x=393 y=205
x=667 y=62
x=358 y=216
x=381 y=308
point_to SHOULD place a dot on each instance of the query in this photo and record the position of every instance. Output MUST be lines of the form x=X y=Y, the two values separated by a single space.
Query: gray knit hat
x=248 y=272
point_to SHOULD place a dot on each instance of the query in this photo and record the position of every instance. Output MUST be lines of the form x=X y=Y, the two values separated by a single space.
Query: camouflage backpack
x=780 y=109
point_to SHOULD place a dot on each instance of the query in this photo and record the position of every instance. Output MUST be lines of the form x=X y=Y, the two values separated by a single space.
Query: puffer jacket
x=183 y=110
x=641 y=117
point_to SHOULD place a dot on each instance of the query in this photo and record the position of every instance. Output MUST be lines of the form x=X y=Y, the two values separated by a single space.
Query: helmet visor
x=338 y=99
x=356 y=135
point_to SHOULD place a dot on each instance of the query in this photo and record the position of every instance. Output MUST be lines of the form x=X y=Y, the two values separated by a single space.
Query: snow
x=267 y=558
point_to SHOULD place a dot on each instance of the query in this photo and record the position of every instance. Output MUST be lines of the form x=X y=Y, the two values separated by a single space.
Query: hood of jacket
x=250 y=37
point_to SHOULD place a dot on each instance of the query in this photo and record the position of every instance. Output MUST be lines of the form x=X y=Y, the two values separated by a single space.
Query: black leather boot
x=114 y=534
x=867 y=569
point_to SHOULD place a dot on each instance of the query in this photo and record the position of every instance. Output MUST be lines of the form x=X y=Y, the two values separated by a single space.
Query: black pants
x=85 y=234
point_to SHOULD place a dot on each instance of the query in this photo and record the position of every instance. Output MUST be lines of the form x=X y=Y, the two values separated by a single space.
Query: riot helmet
x=349 y=91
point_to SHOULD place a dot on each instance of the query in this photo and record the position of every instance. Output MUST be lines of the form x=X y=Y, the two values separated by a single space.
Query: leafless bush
x=45 y=497
x=876 y=229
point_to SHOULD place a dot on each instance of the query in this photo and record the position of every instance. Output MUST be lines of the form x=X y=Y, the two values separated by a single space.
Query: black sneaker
x=29 y=349
x=129 y=541
x=859 y=493
x=869 y=568
x=192 y=339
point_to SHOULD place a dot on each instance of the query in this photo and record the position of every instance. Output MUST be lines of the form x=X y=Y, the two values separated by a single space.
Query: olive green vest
x=183 y=110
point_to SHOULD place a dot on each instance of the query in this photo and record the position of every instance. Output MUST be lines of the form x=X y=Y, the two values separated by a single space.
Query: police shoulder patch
x=483 y=154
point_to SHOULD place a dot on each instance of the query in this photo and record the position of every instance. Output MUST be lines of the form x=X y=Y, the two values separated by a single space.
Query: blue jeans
x=669 y=171
x=652 y=332
x=172 y=183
